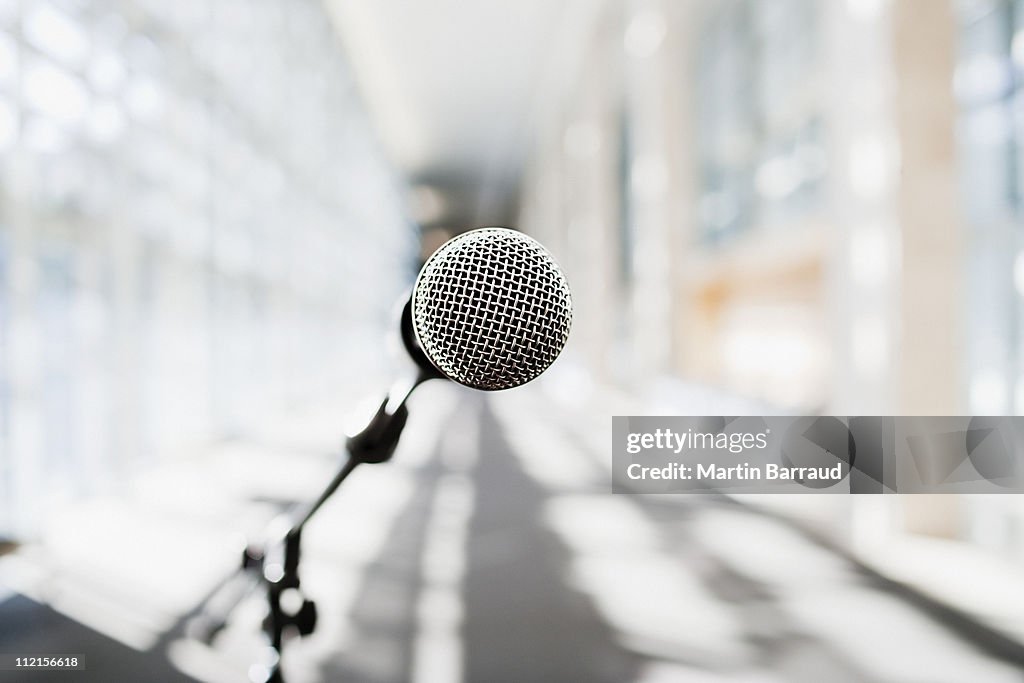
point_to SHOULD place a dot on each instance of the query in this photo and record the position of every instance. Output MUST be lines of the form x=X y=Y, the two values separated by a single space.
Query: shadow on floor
x=28 y=627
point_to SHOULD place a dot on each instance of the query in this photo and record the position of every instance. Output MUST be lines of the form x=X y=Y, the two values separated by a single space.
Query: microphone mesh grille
x=491 y=309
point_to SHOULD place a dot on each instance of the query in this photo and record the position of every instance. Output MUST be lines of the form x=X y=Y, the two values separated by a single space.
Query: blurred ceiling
x=451 y=87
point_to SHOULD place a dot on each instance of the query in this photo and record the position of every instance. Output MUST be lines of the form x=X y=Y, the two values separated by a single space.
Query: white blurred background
x=209 y=208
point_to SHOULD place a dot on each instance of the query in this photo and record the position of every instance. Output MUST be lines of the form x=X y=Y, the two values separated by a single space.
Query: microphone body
x=491 y=309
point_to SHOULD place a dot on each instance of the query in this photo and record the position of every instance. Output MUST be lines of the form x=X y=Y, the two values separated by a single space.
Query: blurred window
x=988 y=85
x=198 y=199
x=761 y=144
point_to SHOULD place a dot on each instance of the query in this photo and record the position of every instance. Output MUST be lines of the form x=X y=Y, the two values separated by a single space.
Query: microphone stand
x=277 y=564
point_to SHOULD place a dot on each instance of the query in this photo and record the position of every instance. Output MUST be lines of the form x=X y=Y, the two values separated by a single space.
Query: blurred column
x=571 y=184
x=126 y=332
x=24 y=363
x=862 y=274
x=932 y=283
x=27 y=468
x=933 y=277
x=652 y=185
x=682 y=200
x=591 y=193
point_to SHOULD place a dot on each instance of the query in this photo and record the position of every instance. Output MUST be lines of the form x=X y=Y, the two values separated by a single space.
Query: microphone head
x=491 y=309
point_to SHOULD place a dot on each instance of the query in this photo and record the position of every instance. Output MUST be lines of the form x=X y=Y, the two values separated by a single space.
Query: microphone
x=490 y=310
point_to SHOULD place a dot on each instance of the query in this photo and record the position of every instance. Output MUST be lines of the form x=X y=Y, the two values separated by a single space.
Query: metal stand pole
x=278 y=564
